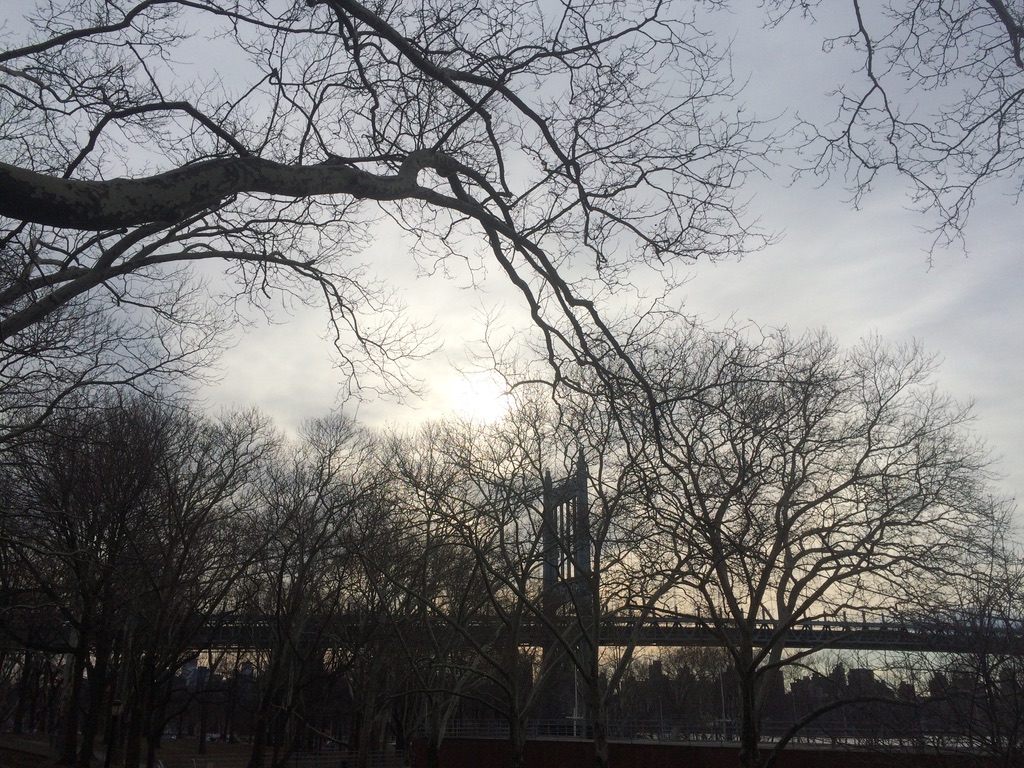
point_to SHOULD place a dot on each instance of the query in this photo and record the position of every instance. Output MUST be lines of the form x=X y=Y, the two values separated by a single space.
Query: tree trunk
x=750 y=736
x=599 y=722
x=259 y=739
x=364 y=739
x=71 y=707
x=153 y=743
x=143 y=721
x=433 y=751
x=134 y=726
x=96 y=698
x=203 y=707
x=516 y=740
x=28 y=671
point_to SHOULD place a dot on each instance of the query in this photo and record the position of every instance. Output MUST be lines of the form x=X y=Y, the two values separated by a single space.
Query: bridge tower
x=566 y=540
x=567 y=596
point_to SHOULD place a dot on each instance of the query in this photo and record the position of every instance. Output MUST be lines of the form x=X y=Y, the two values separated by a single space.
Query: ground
x=18 y=751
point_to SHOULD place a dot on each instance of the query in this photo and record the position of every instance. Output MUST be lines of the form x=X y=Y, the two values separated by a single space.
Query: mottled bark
x=172 y=196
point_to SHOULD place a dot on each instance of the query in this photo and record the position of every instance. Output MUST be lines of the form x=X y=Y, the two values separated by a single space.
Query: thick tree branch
x=172 y=196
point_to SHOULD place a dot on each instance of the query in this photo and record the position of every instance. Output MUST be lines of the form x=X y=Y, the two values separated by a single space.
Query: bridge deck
x=258 y=632
x=689 y=631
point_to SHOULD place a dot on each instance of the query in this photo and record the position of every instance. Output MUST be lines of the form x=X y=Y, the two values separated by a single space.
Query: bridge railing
x=725 y=731
x=682 y=630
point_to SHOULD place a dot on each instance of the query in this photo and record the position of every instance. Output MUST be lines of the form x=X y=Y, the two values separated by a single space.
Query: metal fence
x=331 y=759
x=343 y=759
x=724 y=731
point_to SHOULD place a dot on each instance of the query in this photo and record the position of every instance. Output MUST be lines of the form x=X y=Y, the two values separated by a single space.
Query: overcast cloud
x=854 y=272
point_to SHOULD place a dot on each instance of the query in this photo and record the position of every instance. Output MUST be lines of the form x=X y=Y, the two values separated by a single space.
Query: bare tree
x=313 y=497
x=121 y=524
x=103 y=340
x=938 y=99
x=615 y=583
x=77 y=499
x=465 y=496
x=794 y=480
x=544 y=136
x=185 y=558
x=976 y=694
x=490 y=491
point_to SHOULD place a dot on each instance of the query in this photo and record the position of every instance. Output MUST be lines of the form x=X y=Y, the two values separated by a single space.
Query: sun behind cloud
x=480 y=396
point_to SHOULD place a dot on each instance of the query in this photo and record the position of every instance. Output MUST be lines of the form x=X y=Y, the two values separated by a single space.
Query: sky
x=852 y=271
